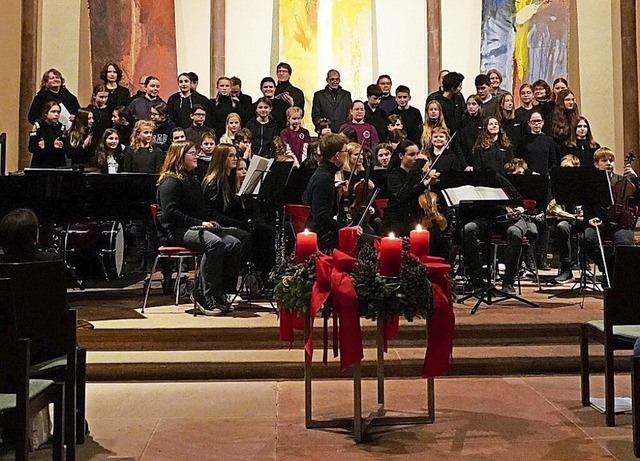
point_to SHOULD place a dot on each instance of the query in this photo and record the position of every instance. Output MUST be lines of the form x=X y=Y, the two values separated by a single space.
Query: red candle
x=306 y=245
x=390 y=256
x=419 y=241
x=348 y=241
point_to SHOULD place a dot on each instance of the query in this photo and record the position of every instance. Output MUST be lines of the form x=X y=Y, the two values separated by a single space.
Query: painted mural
x=527 y=40
x=140 y=35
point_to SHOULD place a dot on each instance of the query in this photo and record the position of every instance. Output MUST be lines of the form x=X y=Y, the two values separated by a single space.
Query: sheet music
x=257 y=167
x=455 y=195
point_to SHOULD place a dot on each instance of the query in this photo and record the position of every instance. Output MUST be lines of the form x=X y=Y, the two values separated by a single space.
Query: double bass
x=620 y=213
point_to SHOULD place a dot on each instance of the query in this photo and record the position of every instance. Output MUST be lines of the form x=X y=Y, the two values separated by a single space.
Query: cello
x=620 y=213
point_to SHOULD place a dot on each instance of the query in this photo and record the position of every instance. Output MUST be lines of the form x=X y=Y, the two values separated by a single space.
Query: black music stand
x=588 y=187
x=468 y=210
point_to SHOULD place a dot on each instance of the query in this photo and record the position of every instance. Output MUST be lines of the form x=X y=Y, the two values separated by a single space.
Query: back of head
x=331 y=144
x=19 y=231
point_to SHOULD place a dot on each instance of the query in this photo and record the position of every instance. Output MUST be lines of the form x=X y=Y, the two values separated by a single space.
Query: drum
x=95 y=248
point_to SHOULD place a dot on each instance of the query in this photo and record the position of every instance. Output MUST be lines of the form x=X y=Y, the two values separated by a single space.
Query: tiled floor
x=530 y=418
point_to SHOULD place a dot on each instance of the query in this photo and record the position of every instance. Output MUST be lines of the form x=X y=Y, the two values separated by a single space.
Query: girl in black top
x=109 y=153
x=526 y=102
x=544 y=103
x=404 y=186
x=493 y=148
x=510 y=123
x=47 y=140
x=279 y=107
x=81 y=138
x=263 y=128
x=123 y=121
x=471 y=126
x=183 y=220
x=142 y=156
x=564 y=117
x=164 y=125
x=111 y=75
x=581 y=144
x=223 y=105
x=101 y=113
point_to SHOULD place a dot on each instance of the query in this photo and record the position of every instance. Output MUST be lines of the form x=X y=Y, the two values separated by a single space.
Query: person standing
x=52 y=89
x=285 y=90
x=387 y=101
x=331 y=103
x=111 y=75
x=179 y=104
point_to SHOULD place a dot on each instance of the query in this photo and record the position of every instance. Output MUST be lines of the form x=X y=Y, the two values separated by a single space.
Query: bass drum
x=95 y=248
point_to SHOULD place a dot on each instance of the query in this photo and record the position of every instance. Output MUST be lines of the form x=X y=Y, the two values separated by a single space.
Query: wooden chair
x=618 y=330
x=22 y=398
x=178 y=253
x=43 y=316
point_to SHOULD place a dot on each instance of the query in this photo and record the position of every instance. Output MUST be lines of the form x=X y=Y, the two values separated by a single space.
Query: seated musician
x=440 y=153
x=604 y=160
x=226 y=208
x=405 y=183
x=563 y=221
x=511 y=225
x=182 y=219
x=320 y=193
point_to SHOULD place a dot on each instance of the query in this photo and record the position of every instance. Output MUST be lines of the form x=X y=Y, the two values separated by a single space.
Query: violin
x=362 y=195
x=432 y=217
x=620 y=213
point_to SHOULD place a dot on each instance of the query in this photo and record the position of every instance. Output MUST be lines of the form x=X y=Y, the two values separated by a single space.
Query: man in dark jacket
x=285 y=90
x=332 y=103
x=451 y=100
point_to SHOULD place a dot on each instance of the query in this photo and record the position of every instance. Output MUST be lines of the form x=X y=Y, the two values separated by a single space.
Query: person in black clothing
x=404 y=186
x=164 y=126
x=471 y=127
x=411 y=117
x=581 y=143
x=320 y=193
x=263 y=128
x=109 y=156
x=182 y=219
x=564 y=117
x=243 y=100
x=52 y=89
x=537 y=148
x=278 y=106
x=48 y=140
x=331 y=103
x=544 y=103
x=198 y=126
x=141 y=107
x=207 y=146
x=81 y=139
x=493 y=148
x=123 y=121
x=387 y=101
x=527 y=101
x=444 y=157
x=604 y=160
x=180 y=104
x=101 y=113
x=142 y=156
x=510 y=123
x=227 y=209
x=222 y=105
x=111 y=75
x=19 y=238
x=373 y=115
x=285 y=90
x=451 y=100
x=489 y=100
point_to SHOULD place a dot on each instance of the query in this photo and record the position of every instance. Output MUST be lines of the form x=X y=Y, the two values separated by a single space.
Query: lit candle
x=306 y=245
x=390 y=256
x=419 y=241
x=348 y=241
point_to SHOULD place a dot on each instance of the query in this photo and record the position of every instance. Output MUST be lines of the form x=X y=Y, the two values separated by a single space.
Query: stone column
x=28 y=77
x=217 y=42
x=434 y=43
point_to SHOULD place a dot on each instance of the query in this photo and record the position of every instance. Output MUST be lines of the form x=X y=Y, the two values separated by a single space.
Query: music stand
x=470 y=209
x=589 y=187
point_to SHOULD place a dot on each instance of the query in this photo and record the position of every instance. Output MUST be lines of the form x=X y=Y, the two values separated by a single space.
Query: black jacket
x=320 y=195
x=263 y=134
x=181 y=205
x=143 y=160
x=295 y=93
x=378 y=119
x=411 y=121
x=49 y=156
x=221 y=106
x=162 y=134
x=43 y=96
x=580 y=150
x=452 y=109
x=179 y=108
x=468 y=135
x=230 y=216
x=331 y=104
x=118 y=96
x=492 y=158
x=540 y=152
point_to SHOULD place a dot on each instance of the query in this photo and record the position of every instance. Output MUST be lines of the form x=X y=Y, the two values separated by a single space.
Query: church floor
x=511 y=418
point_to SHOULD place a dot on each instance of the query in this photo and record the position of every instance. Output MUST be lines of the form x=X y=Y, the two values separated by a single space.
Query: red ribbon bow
x=332 y=278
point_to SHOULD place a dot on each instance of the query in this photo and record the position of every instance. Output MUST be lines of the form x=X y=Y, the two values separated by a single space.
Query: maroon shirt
x=296 y=140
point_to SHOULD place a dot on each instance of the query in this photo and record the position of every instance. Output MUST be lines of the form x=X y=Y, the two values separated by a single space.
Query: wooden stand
x=377 y=417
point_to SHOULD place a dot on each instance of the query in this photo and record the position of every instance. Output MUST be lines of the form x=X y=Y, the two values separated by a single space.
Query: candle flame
x=306 y=232
x=418 y=227
x=391 y=235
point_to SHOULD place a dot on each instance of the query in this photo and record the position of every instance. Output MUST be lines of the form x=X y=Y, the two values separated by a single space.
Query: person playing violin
x=320 y=193
x=596 y=216
x=405 y=183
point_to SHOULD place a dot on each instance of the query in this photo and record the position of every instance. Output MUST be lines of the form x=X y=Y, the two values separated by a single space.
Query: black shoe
x=223 y=304
x=210 y=308
x=507 y=287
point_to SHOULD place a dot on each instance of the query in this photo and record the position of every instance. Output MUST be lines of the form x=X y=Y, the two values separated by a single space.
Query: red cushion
x=182 y=251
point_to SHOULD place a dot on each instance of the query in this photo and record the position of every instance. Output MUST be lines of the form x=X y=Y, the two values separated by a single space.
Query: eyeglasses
x=199 y=114
x=192 y=154
x=536 y=121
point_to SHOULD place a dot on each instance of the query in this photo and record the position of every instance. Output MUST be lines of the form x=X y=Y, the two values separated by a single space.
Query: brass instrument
x=557 y=213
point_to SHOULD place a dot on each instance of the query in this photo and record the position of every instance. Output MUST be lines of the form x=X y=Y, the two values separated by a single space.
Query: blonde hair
x=291 y=111
x=603 y=153
x=174 y=164
x=137 y=129
x=352 y=148
x=428 y=126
